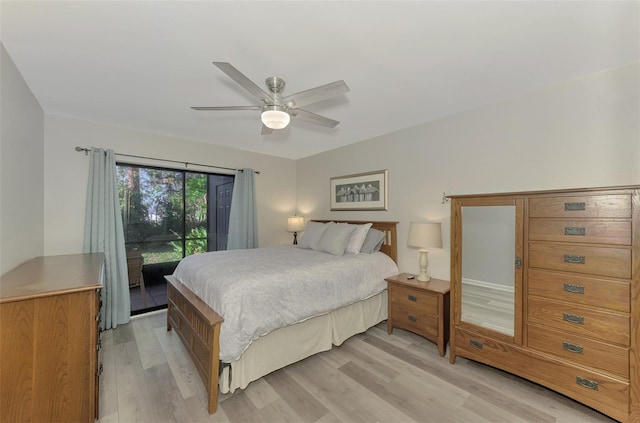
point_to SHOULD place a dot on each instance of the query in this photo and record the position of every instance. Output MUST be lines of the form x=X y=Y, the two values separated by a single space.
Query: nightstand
x=420 y=307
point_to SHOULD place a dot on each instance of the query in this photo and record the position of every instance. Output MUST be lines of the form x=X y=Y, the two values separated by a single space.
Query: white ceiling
x=142 y=64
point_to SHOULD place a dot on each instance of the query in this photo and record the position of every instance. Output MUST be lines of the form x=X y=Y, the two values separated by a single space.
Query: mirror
x=488 y=267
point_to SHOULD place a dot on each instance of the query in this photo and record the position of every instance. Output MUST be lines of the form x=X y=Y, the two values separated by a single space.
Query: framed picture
x=363 y=191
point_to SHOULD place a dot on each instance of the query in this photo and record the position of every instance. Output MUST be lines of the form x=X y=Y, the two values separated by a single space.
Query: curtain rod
x=186 y=164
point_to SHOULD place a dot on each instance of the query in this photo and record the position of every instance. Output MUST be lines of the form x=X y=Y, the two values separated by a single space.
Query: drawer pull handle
x=575 y=231
x=574 y=289
x=412 y=318
x=570 y=258
x=573 y=348
x=475 y=343
x=412 y=298
x=574 y=206
x=589 y=384
x=573 y=318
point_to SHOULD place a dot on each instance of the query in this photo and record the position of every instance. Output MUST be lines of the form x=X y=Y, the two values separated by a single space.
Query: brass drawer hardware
x=575 y=231
x=475 y=343
x=575 y=206
x=589 y=384
x=573 y=348
x=412 y=318
x=570 y=258
x=412 y=298
x=574 y=289
x=573 y=318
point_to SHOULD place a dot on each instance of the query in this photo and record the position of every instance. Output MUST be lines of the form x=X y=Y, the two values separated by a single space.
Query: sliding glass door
x=169 y=214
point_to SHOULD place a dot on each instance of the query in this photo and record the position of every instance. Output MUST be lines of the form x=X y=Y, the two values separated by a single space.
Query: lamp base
x=423 y=276
x=295 y=238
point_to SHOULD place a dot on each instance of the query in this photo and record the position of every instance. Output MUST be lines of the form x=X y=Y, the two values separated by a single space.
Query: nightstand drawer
x=609 y=206
x=594 y=354
x=601 y=261
x=584 y=231
x=413 y=299
x=579 y=320
x=579 y=289
x=415 y=321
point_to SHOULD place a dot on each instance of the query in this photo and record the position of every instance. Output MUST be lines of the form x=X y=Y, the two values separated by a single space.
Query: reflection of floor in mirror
x=487 y=307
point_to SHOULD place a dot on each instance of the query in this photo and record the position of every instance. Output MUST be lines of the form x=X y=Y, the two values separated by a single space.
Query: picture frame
x=361 y=191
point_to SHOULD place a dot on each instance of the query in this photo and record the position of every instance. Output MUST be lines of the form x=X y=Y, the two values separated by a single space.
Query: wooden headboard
x=389 y=246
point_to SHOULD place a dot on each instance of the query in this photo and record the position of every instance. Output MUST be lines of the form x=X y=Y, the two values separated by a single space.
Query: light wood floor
x=372 y=377
x=487 y=307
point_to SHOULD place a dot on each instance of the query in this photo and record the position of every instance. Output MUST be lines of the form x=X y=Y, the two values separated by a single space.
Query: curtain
x=103 y=233
x=243 y=219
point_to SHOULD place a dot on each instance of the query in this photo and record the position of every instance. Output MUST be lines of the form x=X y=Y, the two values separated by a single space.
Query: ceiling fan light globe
x=275 y=119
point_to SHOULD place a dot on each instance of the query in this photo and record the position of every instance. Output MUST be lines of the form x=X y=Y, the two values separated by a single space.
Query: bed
x=199 y=327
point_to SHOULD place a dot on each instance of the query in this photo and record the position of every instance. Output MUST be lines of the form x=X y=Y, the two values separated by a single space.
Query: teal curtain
x=243 y=219
x=103 y=233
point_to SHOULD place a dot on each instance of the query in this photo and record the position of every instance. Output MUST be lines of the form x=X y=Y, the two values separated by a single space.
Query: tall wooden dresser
x=576 y=292
x=49 y=339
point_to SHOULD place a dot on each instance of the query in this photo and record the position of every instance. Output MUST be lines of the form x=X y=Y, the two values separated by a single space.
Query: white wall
x=583 y=133
x=65 y=172
x=21 y=169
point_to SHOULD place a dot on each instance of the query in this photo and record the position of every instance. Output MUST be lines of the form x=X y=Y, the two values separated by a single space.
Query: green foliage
x=196 y=242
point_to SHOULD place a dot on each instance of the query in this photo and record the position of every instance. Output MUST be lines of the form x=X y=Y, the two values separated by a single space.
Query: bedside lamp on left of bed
x=295 y=224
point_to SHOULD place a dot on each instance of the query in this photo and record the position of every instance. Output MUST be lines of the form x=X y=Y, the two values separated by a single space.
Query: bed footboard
x=198 y=326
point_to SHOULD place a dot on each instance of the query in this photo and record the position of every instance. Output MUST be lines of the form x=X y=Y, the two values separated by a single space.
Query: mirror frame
x=456 y=265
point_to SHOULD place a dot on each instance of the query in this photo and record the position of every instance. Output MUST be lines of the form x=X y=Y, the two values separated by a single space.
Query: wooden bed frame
x=198 y=325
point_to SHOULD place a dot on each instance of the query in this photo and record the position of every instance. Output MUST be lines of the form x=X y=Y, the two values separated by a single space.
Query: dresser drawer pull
x=589 y=384
x=412 y=298
x=570 y=258
x=412 y=318
x=577 y=349
x=475 y=343
x=574 y=289
x=575 y=231
x=573 y=318
x=575 y=206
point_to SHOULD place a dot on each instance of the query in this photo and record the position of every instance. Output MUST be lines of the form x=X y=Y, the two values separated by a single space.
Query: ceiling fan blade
x=245 y=82
x=316 y=94
x=313 y=118
x=266 y=130
x=227 y=108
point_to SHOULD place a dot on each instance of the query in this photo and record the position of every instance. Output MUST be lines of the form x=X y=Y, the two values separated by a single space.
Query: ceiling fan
x=277 y=110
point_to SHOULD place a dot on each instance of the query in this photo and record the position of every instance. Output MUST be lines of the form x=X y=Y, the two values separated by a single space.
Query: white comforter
x=262 y=289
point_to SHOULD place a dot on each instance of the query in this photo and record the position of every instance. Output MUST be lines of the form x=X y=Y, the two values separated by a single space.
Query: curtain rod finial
x=86 y=150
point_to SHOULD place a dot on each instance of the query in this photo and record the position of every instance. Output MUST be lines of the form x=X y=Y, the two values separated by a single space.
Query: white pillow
x=373 y=241
x=312 y=234
x=334 y=240
x=357 y=238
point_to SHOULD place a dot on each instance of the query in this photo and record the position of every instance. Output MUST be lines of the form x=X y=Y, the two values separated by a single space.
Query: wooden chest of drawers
x=577 y=302
x=420 y=307
x=49 y=338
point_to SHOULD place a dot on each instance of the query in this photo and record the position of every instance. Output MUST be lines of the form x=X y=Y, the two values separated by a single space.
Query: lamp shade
x=425 y=235
x=295 y=224
x=275 y=117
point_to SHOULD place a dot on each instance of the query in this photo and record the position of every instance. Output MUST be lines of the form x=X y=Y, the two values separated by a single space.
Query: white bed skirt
x=291 y=344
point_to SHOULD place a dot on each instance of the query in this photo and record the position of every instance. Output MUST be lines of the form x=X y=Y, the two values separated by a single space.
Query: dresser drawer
x=415 y=321
x=602 y=261
x=587 y=231
x=607 y=394
x=578 y=320
x=582 y=351
x=610 y=206
x=578 y=289
x=414 y=299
